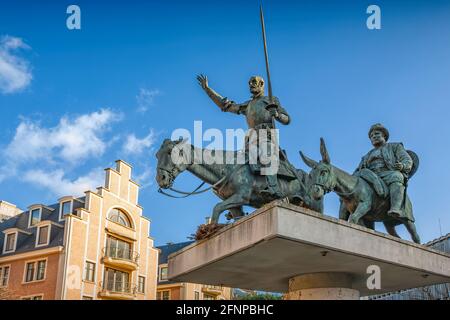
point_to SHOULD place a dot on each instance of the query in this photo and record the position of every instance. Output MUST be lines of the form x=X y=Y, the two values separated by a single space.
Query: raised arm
x=222 y=102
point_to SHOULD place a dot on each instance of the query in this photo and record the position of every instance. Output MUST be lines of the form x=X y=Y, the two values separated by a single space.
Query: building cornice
x=31 y=254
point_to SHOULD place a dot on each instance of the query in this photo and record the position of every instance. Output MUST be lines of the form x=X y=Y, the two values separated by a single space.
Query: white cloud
x=61 y=186
x=15 y=72
x=146 y=98
x=71 y=140
x=134 y=145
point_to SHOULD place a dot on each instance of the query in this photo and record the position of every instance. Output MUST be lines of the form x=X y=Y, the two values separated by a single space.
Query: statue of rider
x=259 y=111
x=392 y=163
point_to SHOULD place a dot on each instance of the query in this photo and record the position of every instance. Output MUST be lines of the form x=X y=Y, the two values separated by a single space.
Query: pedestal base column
x=322 y=286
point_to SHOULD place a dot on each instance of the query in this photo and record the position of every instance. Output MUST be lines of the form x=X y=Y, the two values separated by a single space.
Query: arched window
x=118 y=216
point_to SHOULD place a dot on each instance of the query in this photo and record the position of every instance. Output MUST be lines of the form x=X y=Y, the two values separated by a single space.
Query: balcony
x=212 y=290
x=117 y=290
x=122 y=258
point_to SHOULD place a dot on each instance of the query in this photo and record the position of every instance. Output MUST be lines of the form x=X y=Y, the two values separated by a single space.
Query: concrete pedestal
x=322 y=286
x=285 y=248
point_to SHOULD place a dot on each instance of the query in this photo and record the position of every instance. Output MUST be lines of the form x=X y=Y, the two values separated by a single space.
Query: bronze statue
x=259 y=112
x=365 y=195
x=235 y=184
x=391 y=163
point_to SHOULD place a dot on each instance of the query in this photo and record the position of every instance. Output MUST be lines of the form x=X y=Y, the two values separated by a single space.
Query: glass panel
x=43 y=235
x=35 y=216
x=166 y=295
x=41 y=270
x=10 y=241
x=90 y=271
x=66 y=208
x=5 y=276
x=30 y=272
x=163 y=275
x=120 y=217
x=141 y=284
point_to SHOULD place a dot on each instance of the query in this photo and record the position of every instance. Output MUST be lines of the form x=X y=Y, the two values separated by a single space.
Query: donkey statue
x=360 y=204
x=234 y=183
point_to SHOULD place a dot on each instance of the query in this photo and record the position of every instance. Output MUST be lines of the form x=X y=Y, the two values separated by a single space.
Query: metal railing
x=122 y=287
x=120 y=253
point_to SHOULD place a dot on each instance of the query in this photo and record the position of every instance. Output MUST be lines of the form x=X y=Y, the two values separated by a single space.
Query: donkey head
x=321 y=177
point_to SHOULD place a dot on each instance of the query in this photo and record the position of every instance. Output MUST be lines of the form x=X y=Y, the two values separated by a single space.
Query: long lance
x=269 y=83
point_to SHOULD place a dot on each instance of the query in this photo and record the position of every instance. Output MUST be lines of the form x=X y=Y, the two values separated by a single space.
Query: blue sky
x=78 y=100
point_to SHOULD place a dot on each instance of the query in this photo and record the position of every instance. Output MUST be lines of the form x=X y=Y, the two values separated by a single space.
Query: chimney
x=8 y=210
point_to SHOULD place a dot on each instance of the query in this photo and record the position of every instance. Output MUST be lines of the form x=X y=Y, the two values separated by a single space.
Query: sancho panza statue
x=259 y=111
x=392 y=163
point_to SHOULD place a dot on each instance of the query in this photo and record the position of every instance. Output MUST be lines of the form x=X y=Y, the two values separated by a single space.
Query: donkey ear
x=324 y=152
x=309 y=162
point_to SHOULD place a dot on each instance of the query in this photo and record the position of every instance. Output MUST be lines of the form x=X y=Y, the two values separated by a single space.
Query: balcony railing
x=118 y=290
x=212 y=289
x=122 y=254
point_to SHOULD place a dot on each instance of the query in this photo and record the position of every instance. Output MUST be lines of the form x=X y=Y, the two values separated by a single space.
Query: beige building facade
x=173 y=290
x=94 y=247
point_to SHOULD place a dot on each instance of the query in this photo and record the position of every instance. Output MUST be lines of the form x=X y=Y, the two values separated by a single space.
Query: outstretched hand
x=203 y=81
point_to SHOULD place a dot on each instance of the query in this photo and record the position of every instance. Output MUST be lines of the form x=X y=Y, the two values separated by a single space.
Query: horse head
x=322 y=177
x=172 y=159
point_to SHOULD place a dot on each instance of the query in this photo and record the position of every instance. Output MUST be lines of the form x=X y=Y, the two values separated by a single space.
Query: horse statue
x=360 y=203
x=235 y=183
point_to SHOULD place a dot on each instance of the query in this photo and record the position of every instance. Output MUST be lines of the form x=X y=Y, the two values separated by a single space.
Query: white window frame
x=160 y=272
x=15 y=242
x=94 y=272
x=2 y=272
x=30 y=216
x=35 y=271
x=161 y=292
x=48 y=235
x=145 y=284
x=61 y=217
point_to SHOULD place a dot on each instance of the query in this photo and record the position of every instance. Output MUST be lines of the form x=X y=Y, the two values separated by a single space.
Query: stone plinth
x=284 y=248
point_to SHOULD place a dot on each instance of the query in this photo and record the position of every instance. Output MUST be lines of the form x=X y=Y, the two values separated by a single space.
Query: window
x=163 y=295
x=208 y=297
x=89 y=272
x=116 y=281
x=196 y=295
x=66 y=208
x=43 y=236
x=4 y=276
x=35 y=216
x=141 y=284
x=118 y=249
x=35 y=271
x=10 y=244
x=32 y=298
x=30 y=272
x=118 y=216
x=163 y=274
x=41 y=270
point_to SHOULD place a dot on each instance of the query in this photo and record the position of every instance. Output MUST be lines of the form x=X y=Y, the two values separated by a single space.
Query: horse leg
x=360 y=211
x=412 y=231
x=235 y=201
x=390 y=228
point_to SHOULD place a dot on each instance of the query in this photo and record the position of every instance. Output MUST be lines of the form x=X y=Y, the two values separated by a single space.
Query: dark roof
x=440 y=239
x=27 y=242
x=170 y=248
